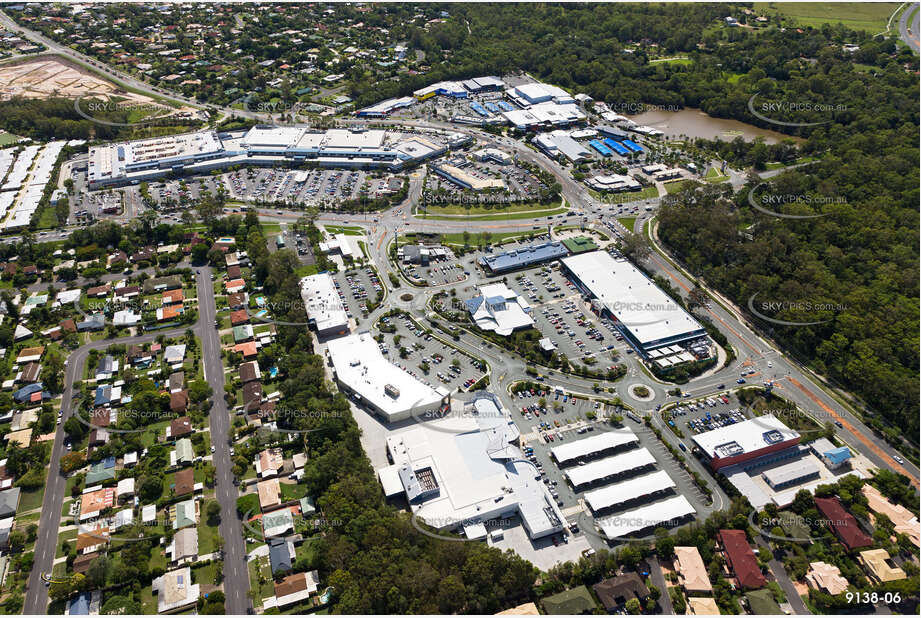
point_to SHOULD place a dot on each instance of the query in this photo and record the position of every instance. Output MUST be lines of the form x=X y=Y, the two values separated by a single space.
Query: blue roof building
x=836 y=456
x=80 y=605
x=279 y=556
x=103 y=395
x=25 y=393
x=524 y=257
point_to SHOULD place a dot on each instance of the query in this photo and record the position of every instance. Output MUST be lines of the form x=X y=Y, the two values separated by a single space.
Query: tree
x=213 y=513
x=633 y=606
x=698 y=297
x=200 y=391
x=635 y=247
x=199 y=253
x=72 y=461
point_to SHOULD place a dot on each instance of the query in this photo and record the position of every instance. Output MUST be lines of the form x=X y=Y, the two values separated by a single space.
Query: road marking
x=687 y=289
x=860 y=436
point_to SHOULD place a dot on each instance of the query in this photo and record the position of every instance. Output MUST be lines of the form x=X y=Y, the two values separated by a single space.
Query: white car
x=212 y=448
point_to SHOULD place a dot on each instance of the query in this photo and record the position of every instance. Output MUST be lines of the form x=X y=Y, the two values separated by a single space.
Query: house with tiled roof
x=740 y=559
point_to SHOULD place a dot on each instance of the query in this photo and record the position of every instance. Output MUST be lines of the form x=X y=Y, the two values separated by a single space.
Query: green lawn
x=713 y=175
x=309 y=269
x=628 y=222
x=266 y=588
x=271 y=228
x=8 y=138
x=306 y=551
x=207 y=574
x=500 y=216
x=348 y=230
x=207 y=538
x=871 y=17
x=148 y=601
x=292 y=491
x=675 y=187
x=733 y=78
x=69 y=535
x=29 y=500
x=47 y=219
x=467 y=209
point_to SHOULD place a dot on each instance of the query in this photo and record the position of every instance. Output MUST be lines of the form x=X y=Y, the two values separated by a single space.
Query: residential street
x=236 y=576
x=36 y=601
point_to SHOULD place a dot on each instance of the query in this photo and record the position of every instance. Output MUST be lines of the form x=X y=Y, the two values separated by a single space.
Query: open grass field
x=868 y=16
x=348 y=230
x=713 y=175
x=676 y=186
x=498 y=216
x=8 y=138
x=473 y=209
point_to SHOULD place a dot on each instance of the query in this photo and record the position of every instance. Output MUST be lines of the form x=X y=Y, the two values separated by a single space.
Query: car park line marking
x=860 y=436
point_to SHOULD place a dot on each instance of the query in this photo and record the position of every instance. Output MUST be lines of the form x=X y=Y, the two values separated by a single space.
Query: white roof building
x=595 y=471
x=461 y=472
x=531 y=94
x=744 y=438
x=390 y=391
x=621 y=493
x=175 y=590
x=587 y=447
x=649 y=317
x=500 y=309
x=671 y=511
x=324 y=307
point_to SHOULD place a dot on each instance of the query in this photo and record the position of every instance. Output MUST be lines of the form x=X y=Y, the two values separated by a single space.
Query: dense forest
x=863 y=255
x=859 y=263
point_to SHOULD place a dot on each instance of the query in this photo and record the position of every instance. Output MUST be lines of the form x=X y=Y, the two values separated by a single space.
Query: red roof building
x=843 y=524
x=741 y=559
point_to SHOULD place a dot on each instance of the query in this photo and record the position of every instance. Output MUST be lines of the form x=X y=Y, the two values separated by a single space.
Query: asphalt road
x=780 y=575
x=909 y=32
x=236 y=575
x=36 y=600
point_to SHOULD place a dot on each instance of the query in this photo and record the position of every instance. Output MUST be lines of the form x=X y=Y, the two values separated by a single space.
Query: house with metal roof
x=281 y=555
